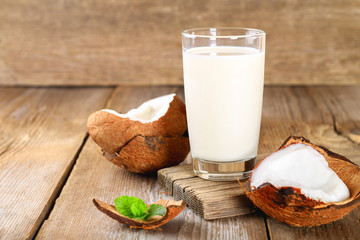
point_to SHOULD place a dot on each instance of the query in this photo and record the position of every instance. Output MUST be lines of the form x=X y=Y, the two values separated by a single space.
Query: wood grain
x=212 y=200
x=41 y=131
x=75 y=217
x=306 y=111
x=344 y=105
x=105 y=42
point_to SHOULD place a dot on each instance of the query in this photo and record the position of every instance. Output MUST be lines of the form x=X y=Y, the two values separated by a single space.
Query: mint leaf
x=131 y=207
x=138 y=209
x=123 y=205
x=155 y=209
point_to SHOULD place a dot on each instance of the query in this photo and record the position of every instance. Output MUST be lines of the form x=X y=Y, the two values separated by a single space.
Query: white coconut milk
x=223 y=93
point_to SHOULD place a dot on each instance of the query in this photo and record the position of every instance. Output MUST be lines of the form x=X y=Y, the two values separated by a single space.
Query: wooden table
x=50 y=170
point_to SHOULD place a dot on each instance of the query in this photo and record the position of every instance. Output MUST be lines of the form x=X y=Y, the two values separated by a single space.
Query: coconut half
x=144 y=139
x=302 y=184
x=161 y=116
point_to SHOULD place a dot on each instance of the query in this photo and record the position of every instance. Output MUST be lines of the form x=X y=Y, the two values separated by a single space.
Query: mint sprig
x=136 y=208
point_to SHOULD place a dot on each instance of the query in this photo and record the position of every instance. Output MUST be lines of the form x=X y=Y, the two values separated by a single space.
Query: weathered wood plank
x=309 y=112
x=344 y=105
x=41 y=131
x=213 y=200
x=103 y=42
x=302 y=111
x=167 y=176
x=75 y=217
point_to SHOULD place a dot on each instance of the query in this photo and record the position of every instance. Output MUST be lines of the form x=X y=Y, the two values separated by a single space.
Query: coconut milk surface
x=223 y=93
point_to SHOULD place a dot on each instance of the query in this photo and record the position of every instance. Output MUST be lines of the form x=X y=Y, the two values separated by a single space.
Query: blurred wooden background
x=107 y=42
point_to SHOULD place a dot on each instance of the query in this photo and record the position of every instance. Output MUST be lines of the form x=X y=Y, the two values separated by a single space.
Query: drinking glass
x=223 y=80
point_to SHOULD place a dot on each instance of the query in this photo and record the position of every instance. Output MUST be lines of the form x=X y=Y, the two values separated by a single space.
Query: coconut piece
x=173 y=208
x=145 y=154
x=291 y=204
x=145 y=139
x=162 y=116
x=301 y=166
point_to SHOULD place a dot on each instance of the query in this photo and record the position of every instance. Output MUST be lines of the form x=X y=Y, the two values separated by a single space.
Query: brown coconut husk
x=148 y=154
x=173 y=208
x=288 y=205
x=142 y=147
x=112 y=132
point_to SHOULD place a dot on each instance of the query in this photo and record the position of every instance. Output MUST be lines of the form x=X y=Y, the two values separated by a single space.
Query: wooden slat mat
x=208 y=198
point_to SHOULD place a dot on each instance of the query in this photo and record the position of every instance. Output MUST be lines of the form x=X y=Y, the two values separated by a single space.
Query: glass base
x=223 y=171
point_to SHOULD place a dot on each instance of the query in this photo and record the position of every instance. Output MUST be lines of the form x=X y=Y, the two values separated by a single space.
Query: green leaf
x=155 y=209
x=131 y=207
x=138 y=209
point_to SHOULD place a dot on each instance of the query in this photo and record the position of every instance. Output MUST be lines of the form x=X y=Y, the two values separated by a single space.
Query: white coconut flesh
x=149 y=111
x=301 y=166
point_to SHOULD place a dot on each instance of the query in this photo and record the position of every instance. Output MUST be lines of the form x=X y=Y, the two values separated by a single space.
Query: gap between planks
x=62 y=182
x=352 y=136
x=39 y=140
x=60 y=187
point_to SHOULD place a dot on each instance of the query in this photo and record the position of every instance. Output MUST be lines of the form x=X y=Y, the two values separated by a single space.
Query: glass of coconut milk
x=223 y=79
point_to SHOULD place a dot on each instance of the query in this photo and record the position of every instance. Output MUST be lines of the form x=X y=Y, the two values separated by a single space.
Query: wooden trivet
x=210 y=199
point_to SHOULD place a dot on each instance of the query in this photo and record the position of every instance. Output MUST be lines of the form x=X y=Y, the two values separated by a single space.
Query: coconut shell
x=173 y=208
x=112 y=132
x=288 y=205
x=145 y=154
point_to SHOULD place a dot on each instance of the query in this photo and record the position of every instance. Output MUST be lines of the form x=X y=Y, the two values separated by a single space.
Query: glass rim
x=258 y=32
